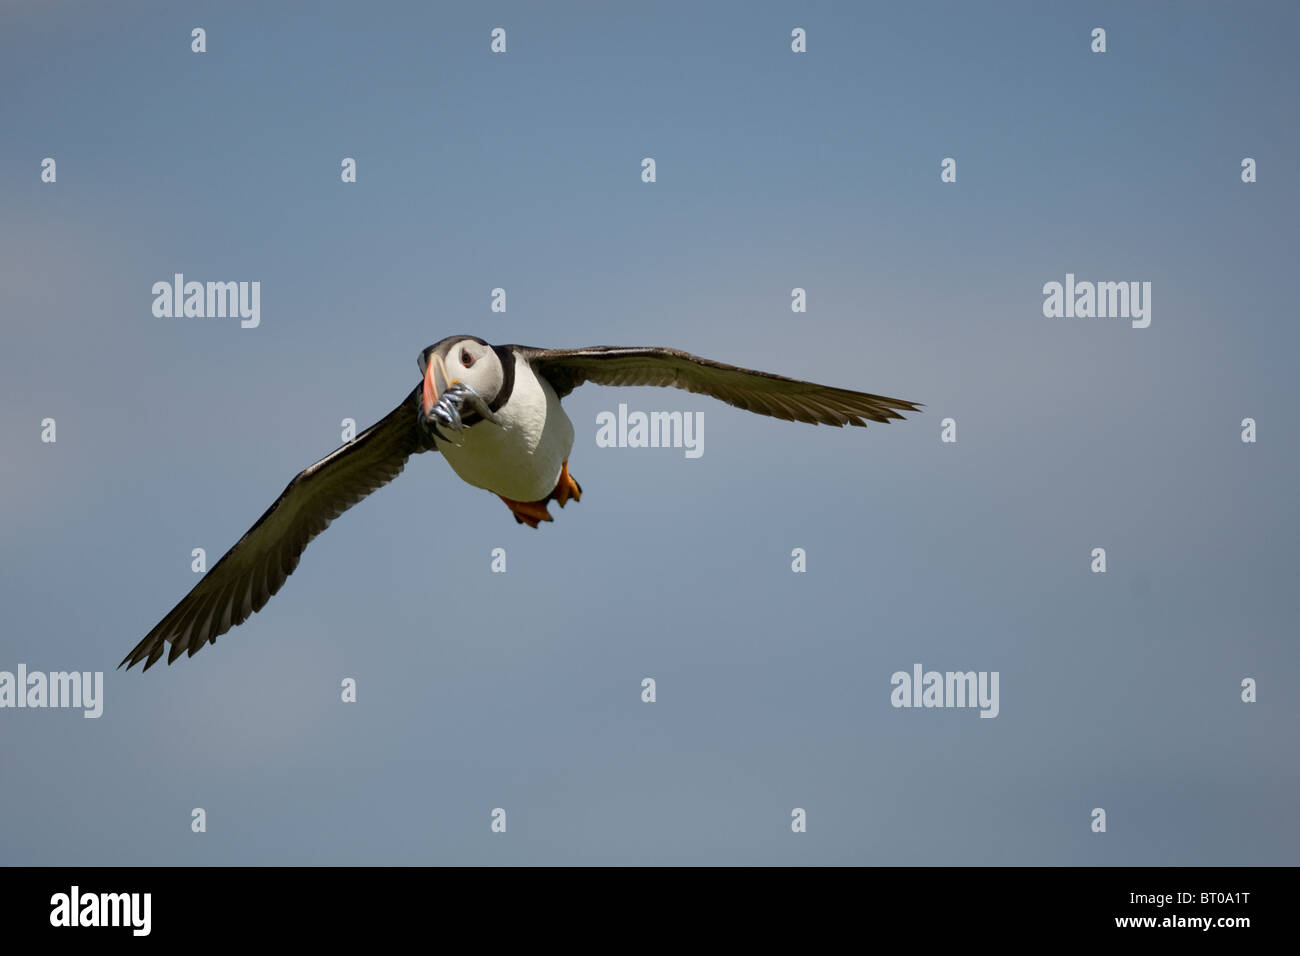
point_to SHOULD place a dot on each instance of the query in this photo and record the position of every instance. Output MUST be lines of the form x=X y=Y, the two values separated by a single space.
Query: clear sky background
x=775 y=170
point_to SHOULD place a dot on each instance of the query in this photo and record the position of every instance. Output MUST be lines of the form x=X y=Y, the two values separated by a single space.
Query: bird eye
x=465 y=358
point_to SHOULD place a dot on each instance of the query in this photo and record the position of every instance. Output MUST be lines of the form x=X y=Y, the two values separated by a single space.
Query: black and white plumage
x=494 y=413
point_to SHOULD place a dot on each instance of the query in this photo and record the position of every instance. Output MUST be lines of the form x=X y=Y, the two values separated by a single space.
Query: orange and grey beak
x=430 y=387
x=435 y=370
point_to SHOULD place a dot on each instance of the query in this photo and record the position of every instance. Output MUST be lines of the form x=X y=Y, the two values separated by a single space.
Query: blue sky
x=775 y=170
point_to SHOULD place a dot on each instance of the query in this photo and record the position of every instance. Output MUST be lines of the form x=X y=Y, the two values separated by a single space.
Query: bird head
x=464 y=359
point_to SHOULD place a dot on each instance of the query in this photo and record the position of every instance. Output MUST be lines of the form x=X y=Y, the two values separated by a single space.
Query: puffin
x=493 y=412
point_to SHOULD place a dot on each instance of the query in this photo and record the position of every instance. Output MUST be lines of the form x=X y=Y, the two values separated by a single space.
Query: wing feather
x=240 y=584
x=761 y=392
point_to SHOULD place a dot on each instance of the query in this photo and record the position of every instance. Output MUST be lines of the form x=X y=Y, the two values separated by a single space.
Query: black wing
x=760 y=392
x=248 y=574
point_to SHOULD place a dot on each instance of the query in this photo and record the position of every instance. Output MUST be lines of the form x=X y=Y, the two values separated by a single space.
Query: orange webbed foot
x=530 y=513
x=566 y=487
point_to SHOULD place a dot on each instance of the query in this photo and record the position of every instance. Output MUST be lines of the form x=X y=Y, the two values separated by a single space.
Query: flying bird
x=494 y=413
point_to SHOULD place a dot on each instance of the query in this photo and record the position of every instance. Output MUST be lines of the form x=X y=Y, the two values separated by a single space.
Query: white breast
x=521 y=458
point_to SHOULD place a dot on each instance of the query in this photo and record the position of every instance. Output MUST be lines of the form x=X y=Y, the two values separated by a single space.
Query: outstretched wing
x=248 y=574
x=760 y=392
